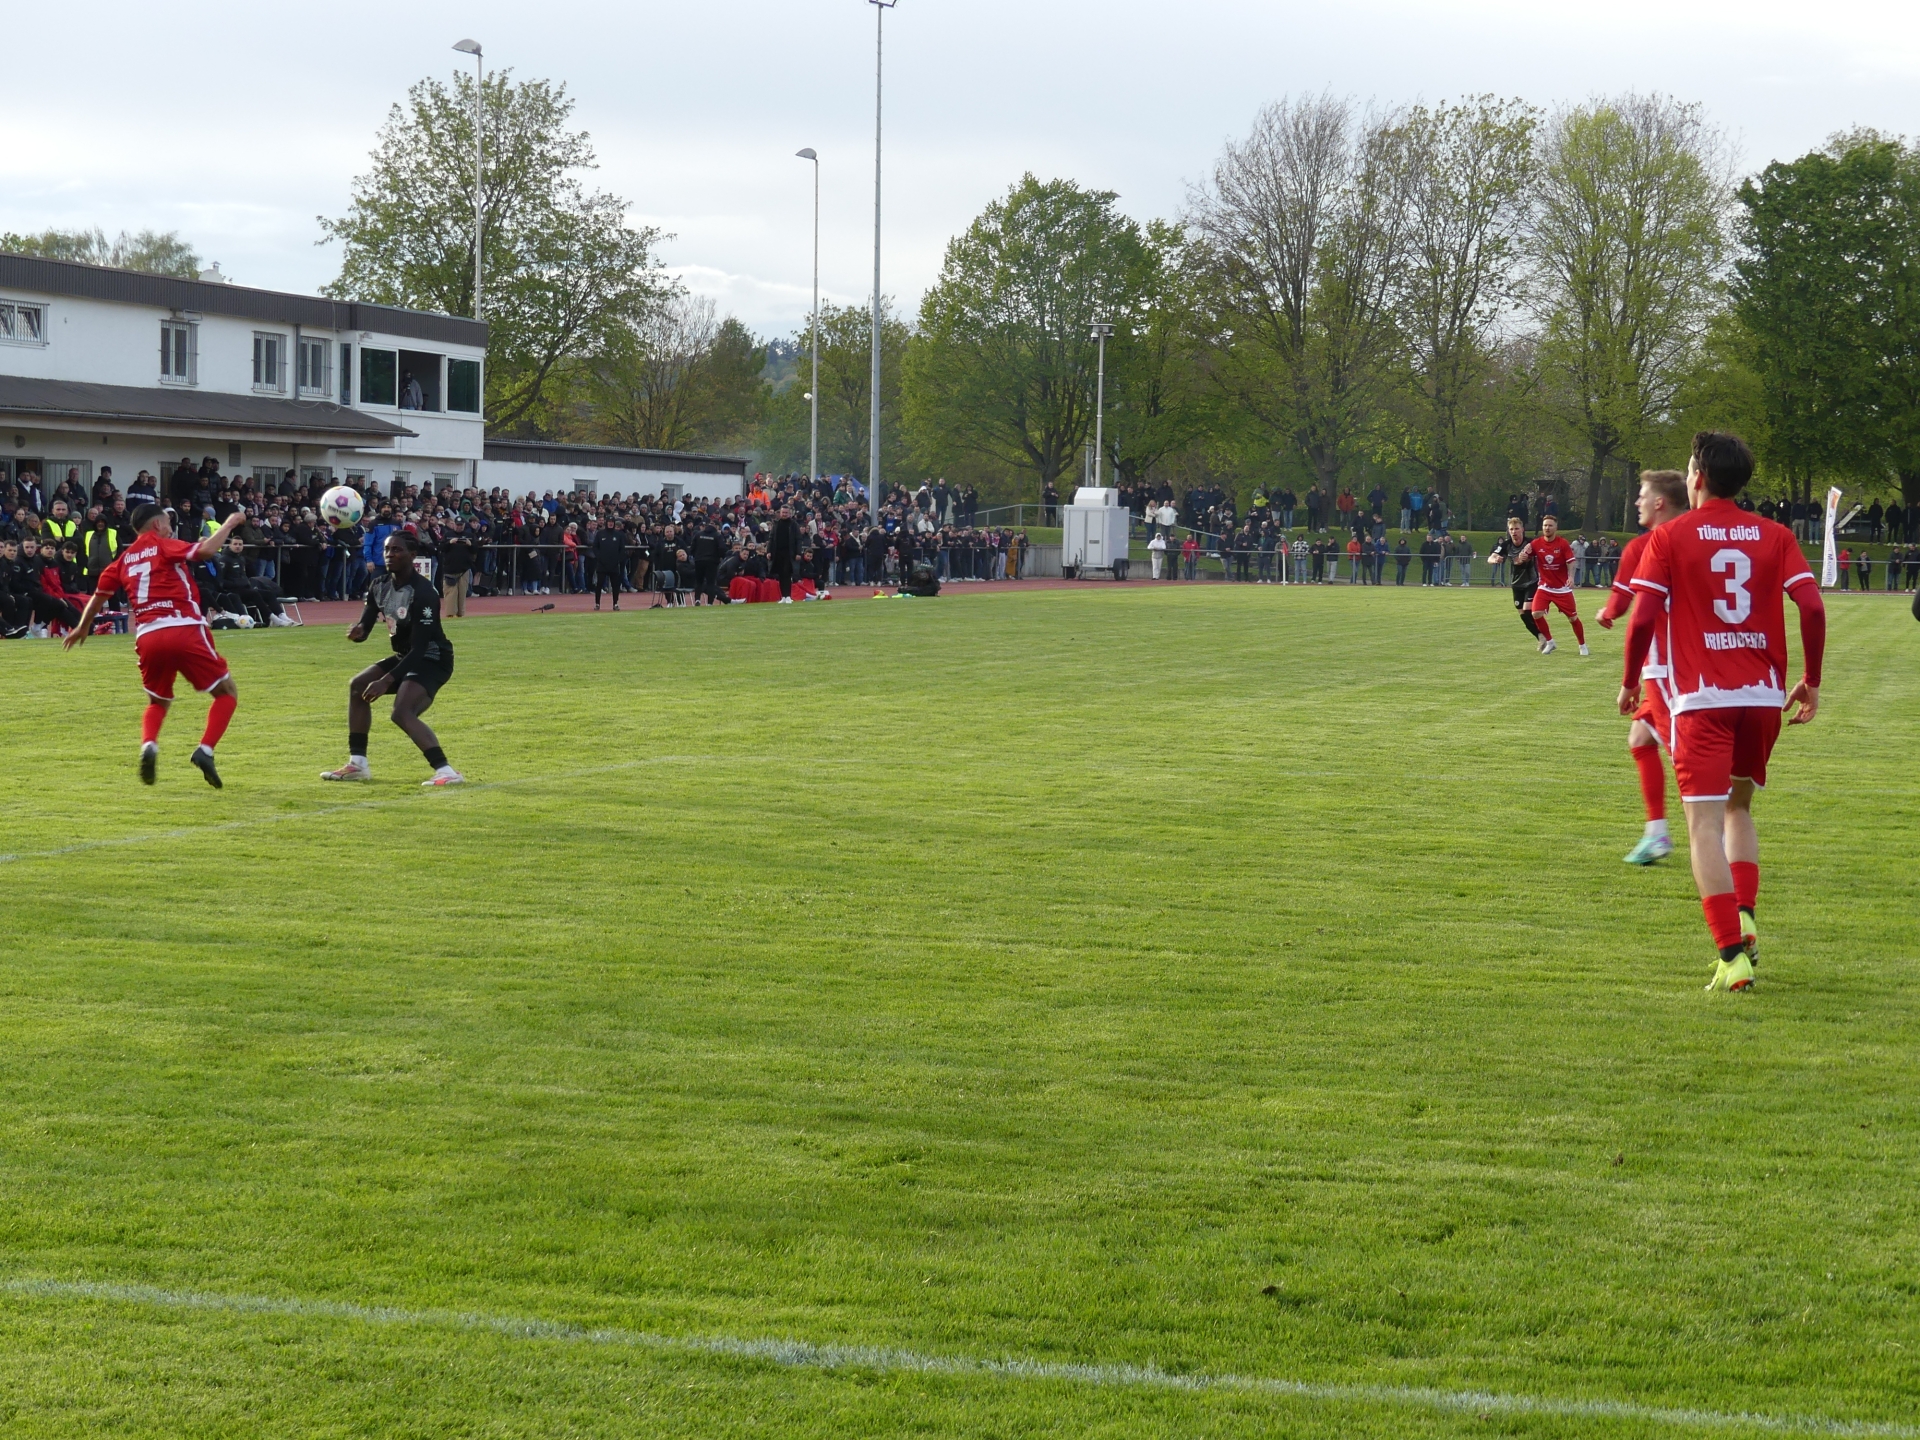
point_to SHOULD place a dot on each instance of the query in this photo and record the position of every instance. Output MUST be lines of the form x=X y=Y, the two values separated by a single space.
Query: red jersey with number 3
x=157 y=575
x=1551 y=559
x=1722 y=576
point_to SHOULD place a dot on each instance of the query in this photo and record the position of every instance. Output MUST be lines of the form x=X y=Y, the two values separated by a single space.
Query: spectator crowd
x=815 y=534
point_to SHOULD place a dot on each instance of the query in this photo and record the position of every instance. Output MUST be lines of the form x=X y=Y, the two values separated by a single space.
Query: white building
x=117 y=367
x=532 y=467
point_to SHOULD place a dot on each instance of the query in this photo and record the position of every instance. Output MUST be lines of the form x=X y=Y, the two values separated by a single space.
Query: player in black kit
x=422 y=661
x=1525 y=579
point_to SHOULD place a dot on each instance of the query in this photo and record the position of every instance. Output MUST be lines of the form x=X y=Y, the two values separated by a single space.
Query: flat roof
x=30 y=401
x=613 y=457
x=207 y=297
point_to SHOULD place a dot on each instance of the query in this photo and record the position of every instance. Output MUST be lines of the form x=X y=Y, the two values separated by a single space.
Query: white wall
x=107 y=342
x=519 y=477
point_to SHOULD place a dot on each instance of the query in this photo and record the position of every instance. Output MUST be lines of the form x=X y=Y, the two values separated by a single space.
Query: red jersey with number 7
x=157 y=575
x=1722 y=574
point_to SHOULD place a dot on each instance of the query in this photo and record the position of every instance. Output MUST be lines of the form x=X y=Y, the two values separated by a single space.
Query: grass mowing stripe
x=801 y=1354
x=411 y=797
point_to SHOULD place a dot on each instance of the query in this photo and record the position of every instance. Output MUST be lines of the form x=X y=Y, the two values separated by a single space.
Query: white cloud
x=240 y=127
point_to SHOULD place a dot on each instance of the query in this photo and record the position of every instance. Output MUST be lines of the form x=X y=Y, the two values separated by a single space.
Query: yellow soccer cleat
x=1719 y=981
x=1740 y=972
x=1750 y=935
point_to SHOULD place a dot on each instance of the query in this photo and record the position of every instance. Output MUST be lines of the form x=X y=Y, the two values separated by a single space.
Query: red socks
x=1746 y=883
x=1579 y=632
x=1540 y=620
x=151 y=719
x=217 y=717
x=1723 y=919
x=1653 y=787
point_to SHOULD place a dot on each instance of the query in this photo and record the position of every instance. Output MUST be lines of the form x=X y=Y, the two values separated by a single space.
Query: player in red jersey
x=1552 y=557
x=170 y=633
x=1712 y=587
x=1663 y=496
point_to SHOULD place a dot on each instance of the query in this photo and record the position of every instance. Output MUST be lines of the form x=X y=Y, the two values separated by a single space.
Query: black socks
x=357 y=744
x=436 y=757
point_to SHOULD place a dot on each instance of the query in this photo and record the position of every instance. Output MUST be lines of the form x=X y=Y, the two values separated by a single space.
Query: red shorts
x=1542 y=599
x=1653 y=710
x=1713 y=748
x=178 y=650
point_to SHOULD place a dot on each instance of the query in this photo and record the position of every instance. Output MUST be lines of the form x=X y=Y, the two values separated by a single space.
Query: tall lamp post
x=873 y=440
x=813 y=393
x=472 y=47
x=1101 y=330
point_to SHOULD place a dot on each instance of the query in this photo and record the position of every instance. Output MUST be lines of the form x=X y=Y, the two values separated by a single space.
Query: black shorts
x=429 y=674
x=1523 y=597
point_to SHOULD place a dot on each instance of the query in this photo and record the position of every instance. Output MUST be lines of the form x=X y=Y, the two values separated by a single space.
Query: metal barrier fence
x=336 y=573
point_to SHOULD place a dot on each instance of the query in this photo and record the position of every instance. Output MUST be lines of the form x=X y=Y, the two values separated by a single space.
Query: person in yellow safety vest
x=102 y=544
x=60 y=526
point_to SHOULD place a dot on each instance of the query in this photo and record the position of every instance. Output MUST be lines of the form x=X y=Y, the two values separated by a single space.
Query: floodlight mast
x=472 y=47
x=1101 y=330
x=873 y=438
x=813 y=393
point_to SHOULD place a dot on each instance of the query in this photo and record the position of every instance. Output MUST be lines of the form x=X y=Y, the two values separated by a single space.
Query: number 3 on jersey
x=1739 y=604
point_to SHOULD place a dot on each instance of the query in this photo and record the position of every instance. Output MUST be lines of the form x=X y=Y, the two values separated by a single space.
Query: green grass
x=1240 y=981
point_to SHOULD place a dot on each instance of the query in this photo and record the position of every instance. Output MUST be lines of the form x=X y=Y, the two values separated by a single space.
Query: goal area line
x=800 y=1354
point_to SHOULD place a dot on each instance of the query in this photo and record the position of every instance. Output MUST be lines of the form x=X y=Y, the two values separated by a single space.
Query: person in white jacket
x=1157 y=551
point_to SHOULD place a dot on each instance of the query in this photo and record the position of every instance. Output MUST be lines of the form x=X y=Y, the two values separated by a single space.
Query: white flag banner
x=1829 y=562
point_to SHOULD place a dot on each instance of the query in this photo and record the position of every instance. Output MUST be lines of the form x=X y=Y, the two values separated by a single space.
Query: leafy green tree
x=156 y=252
x=680 y=379
x=1158 y=401
x=846 y=362
x=566 y=278
x=1002 y=364
x=1470 y=170
x=1821 y=237
x=1629 y=242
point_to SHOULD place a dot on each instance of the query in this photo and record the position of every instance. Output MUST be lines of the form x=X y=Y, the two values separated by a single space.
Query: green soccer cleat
x=1750 y=936
x=1650 y=849
x=1734 y=974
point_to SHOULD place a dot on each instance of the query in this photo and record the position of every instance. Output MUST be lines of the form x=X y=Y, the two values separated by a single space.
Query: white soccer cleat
x=1547 y=647
x=354 y=769
x=280 y=622
x=444 y=776
x=1585 y=651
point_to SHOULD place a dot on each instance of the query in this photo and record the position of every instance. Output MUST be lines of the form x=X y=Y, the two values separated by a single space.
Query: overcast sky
x=237 y=124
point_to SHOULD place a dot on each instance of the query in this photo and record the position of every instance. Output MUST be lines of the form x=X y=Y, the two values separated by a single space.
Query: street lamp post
x=1101 y=330
x=873 y=440
x=472 y=47
x=813 y=392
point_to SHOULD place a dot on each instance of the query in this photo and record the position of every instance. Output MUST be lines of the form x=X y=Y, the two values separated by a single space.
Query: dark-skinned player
x=421 y=662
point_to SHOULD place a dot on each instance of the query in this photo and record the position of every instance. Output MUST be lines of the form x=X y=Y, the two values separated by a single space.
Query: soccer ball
x=340 y=507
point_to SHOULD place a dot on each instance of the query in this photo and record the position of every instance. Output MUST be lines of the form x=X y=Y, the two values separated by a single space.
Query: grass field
x=1220 y=982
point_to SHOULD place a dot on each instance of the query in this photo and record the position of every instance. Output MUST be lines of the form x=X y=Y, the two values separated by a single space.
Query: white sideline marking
x=414 y=796
x=802 y=1355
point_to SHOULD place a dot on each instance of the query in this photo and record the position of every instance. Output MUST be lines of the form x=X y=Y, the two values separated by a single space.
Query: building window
x=23 y=324
x=379 y=377
x=310 y=366
x=419 y=380
x=179 y=352
x=463 y=386
x=269 y=362
x=346 y=373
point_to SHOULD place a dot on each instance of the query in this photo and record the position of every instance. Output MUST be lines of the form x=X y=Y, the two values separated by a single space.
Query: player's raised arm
x=210 y=547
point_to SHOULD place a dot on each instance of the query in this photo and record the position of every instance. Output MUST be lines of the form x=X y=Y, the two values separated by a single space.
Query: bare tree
x=1469 y=172
x=646 y=393
x=1629 y=244
x=1301 y=233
